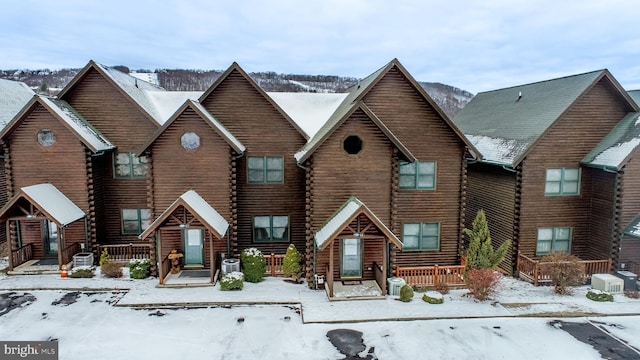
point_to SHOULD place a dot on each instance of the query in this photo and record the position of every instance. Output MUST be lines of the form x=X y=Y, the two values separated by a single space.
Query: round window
x=46 y=137
x=352 y=144
x=190 y=141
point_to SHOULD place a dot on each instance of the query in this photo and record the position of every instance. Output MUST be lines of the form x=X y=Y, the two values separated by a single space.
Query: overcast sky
x=474 y=45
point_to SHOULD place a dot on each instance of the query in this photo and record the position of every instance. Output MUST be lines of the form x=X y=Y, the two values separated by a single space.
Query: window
x=421 y=236
x=46 y=137
x=135 y=221
x=190 y=141
x=417 y=175
x=265 y=169
x=130 y=165
x=553 y=239
x=271 y=228
x=562 y=182
x=352 y=144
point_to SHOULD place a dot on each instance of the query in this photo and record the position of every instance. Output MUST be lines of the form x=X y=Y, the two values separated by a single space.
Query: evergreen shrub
x=253 y=265
x=597 y=295
x=433 y=298
x=291 y=264
x=232 y=281
x=406 y=293
x=81 y=272
x=139 y=269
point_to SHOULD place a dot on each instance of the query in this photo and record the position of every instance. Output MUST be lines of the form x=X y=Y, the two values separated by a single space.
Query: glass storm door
x=351 y=258
x=50 y=238
x=193 y=247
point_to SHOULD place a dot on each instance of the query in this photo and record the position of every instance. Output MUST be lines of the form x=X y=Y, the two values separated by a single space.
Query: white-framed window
x=553 y=239
x=271 y=228
x=421 y=236
x=128 y=165
x=420 y=175
x=265 y=169
x=135 y=221
x=562 y=181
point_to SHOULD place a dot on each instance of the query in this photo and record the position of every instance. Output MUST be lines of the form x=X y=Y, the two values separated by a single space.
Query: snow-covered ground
x=288 y=321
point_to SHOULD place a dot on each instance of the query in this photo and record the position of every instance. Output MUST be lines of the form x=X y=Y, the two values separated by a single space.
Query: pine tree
x=291 y=264
x=480 y=254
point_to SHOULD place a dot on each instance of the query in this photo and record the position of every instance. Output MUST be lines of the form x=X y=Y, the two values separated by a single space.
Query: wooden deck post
x=330 y=272
x=435 y=275
x=273 y=267
x=10 y=241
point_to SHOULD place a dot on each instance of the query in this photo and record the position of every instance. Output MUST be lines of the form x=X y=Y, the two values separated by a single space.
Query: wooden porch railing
x=68 y=252
x=21 y=255
x=165 y=268
x=274 y=264
x=380 y=277
x=535 y=271
x=126 y=252
x=432 y=275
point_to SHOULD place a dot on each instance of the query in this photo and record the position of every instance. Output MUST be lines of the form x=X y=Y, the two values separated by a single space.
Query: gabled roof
x=309 y=110
x=504 y=124
x=154 y=101
x=615 y=150
x=197 y=206
x=353 y=100
x=70 y=118
x=236 y=67
x=635 y=95
x=50 y=201
x=14 y=95
x=343 y=217
x=334 y=123
x=633 y=228
x=235 y=144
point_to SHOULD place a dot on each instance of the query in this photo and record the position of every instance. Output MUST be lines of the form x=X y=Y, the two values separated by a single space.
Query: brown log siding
x=602 y=217
x=425 y=133
x=265 y=132
x=205 y=170
x=565 y=144
x=630 y=185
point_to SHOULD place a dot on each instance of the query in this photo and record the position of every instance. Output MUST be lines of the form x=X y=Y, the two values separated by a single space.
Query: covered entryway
x=45 y=229
x=188 y=237
x=351 y=253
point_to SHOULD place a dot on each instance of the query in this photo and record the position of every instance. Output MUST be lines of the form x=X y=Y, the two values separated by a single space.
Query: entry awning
x=199 y=207
x=343 y=217
x=50 y=201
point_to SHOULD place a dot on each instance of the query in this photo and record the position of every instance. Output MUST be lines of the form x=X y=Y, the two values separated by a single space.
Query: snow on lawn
x=289 y=321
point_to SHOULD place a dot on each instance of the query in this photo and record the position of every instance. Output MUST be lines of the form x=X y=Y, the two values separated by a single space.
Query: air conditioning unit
x=394 y=284
x=230 y=265
x=607 y=282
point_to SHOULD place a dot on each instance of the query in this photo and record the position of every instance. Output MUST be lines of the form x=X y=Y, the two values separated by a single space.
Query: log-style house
x=385 y=183
x=48 y=142
x=533 y=182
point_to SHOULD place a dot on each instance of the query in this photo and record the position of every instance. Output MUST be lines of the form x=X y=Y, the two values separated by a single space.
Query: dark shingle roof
x=614 y=150
x=503 y=124
x=635 y=95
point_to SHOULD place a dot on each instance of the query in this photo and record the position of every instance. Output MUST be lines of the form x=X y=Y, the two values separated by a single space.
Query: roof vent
x=519 y=96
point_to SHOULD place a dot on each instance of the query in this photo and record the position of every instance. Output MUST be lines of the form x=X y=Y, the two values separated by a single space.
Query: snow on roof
x=343 y=216
x=14 y=95
x=79 y=125
x=205 y=211
x=616 y=147
x=166 y=103
x=633 y=228
x=149 y=77
x=309 y=110
x=53 y=202
x=200 y=208
x=497 y=150
x=225 y=133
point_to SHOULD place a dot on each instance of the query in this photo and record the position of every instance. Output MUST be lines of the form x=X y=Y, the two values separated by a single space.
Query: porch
x=27 y=264
x=126 y=252
x=535 y=272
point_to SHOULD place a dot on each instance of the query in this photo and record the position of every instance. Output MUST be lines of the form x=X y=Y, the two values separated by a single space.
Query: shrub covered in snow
x=597 y=295
x=481 y=283
x=232 y=281
x=81 y=272
x=564 y=269
x=291 y=264
x=433 y=297
x=139 y=269
x=406 y=293
x=111 y=270
x=253 y=265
